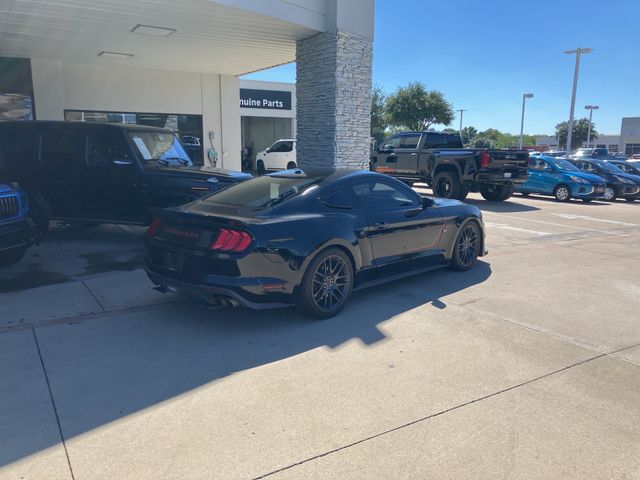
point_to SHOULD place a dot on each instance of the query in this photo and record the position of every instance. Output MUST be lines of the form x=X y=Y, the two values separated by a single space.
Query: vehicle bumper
x=21 y=233
x=218 y=294
x=580 y=190
x=509 y=176
x=253 y=281
x=627 y=191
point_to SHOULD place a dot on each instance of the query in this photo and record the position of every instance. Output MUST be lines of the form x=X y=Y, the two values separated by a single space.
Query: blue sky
x=484 y=55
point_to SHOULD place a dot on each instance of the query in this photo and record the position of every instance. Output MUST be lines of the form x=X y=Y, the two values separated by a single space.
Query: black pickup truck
x=104 y=173
x=439 y=160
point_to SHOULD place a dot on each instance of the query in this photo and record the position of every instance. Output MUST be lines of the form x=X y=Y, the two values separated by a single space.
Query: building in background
x=177 y=64
x=628 y=142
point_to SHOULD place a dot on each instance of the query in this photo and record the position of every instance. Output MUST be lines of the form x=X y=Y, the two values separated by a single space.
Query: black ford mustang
x=307 y=238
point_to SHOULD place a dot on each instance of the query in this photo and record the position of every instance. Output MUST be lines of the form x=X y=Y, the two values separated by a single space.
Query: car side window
x=393 y=142
x=343 y=198
x=106 y=147
x=275 y=147
x=410 y=141
x=18 y=152
x=286 y=147
x=63 y=151
x=378 y=195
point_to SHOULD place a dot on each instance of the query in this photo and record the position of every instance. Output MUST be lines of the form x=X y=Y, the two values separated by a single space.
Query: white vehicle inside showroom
x=279 y=156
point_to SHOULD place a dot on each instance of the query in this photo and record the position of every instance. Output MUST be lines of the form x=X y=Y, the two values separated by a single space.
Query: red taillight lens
x=484 y=159
x=153 y=228
x=231 y=241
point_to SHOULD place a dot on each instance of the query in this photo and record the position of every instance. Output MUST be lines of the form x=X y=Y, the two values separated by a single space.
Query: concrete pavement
x=527 y=366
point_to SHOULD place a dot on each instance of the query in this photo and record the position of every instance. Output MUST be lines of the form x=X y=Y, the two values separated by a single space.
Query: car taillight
x=231 y=241
x=484 y=159
x=153 y=228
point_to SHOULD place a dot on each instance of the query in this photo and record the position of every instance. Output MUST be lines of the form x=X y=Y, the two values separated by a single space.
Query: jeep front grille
x=8 y=206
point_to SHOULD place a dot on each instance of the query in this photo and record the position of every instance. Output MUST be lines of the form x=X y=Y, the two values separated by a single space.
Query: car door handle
x=414 y=154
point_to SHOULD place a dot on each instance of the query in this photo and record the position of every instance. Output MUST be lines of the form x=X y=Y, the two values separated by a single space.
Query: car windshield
x=608 y=167
x=561 y=164
x=263 y=192
x=160 y=148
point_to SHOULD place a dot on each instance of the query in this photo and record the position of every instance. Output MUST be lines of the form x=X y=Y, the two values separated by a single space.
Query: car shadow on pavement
x=508 y=206
x=103 y=369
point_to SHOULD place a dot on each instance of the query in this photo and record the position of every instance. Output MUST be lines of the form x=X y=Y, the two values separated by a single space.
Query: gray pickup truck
x=439 y=160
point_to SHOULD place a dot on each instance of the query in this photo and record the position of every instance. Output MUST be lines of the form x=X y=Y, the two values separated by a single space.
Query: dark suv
x=107 y=173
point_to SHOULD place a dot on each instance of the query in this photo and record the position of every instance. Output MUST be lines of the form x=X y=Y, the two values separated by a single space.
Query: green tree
x=468 y=134
x=579 y=133
x=480 y=141
x=416 y=108
x=378 y=114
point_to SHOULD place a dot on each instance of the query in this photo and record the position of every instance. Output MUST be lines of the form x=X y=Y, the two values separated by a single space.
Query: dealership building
x=628 y=142
x=177 y=65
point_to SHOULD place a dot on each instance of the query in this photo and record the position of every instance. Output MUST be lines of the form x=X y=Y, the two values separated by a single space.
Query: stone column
x=333 y=91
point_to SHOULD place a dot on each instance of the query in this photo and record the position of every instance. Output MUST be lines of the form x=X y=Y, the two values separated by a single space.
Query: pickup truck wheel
x=291 y=165
x=447 y=185
x=562 y=193
x=9 y=257
x=260 y=168
x=495 y=193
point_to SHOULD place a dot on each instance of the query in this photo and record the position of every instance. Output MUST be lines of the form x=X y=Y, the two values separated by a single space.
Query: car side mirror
x=427 y=202
x=268 y=150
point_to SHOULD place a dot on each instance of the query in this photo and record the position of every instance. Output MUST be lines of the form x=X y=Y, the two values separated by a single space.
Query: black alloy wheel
x=327 y=284
x=467 y=247
x=447 y=185
x=260 y=168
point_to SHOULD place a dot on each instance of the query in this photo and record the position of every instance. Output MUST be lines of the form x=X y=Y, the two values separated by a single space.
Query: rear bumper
x=242 y=291
x=21 y=233
x=502 y=177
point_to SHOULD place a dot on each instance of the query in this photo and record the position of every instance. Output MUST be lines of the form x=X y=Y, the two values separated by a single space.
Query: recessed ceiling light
x=155 y=31
x=122 y=56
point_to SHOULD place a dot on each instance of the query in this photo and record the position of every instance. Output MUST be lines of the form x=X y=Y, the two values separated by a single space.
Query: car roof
x=326 y=173
x=78 y=124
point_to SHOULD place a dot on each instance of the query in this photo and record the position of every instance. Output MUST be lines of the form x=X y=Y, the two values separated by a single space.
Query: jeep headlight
x=578 y=179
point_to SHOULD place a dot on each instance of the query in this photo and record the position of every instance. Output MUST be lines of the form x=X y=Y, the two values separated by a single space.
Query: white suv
x=279 y=156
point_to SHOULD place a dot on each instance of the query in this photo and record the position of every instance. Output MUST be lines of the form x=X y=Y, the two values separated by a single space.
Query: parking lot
x=526 y=366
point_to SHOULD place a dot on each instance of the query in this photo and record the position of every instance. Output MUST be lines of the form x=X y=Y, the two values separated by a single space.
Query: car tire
x=260 y=168
x=562 y=193
x=327 y=284
x=611 y=197
x=497 y=194
x=447 y=185
x=467 y=247
x=291 y=165
x=11 y=257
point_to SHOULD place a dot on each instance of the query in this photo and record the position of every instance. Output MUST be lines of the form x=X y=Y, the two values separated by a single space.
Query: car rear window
x=263 y=192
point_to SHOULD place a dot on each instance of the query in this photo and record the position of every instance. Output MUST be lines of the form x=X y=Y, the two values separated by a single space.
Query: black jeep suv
x=109 y=173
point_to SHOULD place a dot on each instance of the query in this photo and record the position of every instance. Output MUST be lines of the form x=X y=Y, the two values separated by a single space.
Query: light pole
x=577 y=52
x=591 y=108
x=462 y=110
x=524 y=98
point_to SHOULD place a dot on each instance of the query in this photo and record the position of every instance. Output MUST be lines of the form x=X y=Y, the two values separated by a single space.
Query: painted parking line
x=593 y=219
x=502 y=226
x=564 y=225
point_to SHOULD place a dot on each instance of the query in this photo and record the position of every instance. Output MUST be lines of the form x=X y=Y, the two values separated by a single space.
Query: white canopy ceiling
x=208 y=37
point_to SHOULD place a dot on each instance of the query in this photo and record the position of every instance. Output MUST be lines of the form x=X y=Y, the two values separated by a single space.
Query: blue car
x=562 y=179
x=19 y=227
